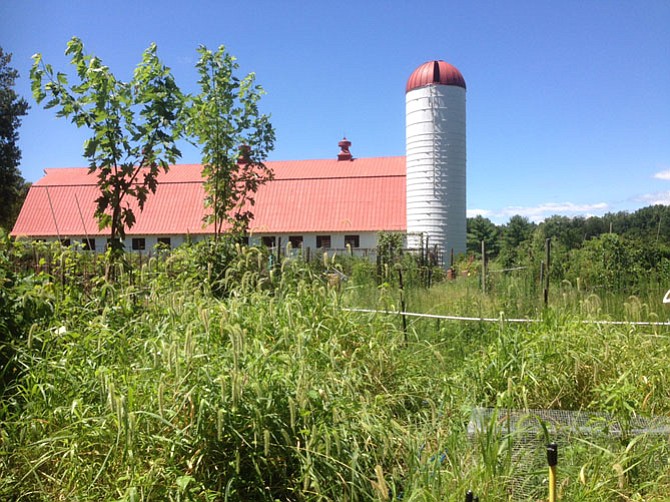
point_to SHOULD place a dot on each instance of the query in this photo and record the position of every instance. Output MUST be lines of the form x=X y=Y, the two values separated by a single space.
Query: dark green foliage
x=650 y=224
x=13 y=187
x=569 y=233
x=515 y=236
x=482 y=229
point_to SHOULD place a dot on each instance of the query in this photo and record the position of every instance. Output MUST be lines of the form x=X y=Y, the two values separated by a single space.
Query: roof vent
x=344 y=154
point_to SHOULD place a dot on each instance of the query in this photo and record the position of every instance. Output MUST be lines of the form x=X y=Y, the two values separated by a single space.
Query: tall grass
x=156 y=389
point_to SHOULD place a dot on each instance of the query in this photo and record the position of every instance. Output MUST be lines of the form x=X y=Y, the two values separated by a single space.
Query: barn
x=310 y=203
x=337 y=203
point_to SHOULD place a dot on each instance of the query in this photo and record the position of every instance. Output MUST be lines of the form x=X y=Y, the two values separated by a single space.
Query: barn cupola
x=244 y=156
x=344 y=154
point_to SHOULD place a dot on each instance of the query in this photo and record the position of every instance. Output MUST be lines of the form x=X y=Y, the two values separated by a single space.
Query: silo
x=436 y=156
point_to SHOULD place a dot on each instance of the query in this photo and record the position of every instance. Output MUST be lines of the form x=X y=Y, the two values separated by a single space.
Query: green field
x=226 y=378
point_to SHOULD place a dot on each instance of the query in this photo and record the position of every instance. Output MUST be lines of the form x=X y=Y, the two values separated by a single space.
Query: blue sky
x=568 y=103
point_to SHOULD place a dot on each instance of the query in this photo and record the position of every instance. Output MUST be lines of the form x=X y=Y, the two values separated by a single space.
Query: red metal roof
x=362 y=195
x=435 y=72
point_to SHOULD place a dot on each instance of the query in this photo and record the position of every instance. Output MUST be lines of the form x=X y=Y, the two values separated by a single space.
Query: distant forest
x=620 y=251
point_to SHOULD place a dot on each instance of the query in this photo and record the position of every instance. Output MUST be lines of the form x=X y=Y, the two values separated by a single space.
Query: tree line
x=621 y=251
x=13 y=188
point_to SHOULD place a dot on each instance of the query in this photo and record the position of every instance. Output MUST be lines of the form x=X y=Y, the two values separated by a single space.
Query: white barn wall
x=151 y=241
x=367 y=240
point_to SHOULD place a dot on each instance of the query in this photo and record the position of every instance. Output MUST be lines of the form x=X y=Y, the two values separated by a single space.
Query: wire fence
x=499 y=319
x=578 y=434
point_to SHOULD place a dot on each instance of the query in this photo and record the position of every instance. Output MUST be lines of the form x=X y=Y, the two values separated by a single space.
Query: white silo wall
x=436 y=151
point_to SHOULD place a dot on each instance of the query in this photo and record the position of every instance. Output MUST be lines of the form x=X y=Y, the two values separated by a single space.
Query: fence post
x=402 y=302
x=552 y=460
x=483 y=267
x=547 y=252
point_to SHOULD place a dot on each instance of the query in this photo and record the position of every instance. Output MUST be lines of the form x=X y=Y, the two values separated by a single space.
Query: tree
x=564 y=231
x=134 y=127
x=235 y=138
x=481 y=229
x=594 y=226
x=609 y=261
x=650 y=224
x=12 y=108
x=515 y=236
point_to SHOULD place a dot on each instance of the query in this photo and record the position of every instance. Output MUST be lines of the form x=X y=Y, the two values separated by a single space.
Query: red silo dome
x=435 y=72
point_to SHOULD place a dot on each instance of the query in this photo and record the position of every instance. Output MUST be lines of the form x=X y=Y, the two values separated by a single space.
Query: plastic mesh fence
x=522 y=435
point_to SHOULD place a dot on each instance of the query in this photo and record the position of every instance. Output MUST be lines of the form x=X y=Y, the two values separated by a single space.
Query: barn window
x=88 y=244
x=139 y=243
x=268 y=241
x=164 y=242
x=65 y=242
x=296 y=241
x=323 y=241
x=352 y=240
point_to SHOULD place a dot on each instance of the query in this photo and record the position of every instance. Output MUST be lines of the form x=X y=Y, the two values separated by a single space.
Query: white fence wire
x=499 y=319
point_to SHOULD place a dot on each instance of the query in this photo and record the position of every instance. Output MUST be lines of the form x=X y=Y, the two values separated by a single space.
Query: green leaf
x=90 y=146
x=183 y=482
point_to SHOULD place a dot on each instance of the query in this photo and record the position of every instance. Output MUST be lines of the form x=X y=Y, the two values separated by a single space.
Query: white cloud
x=655 y=198
x=663 y=175
x=479 y=212
x=542 y=211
